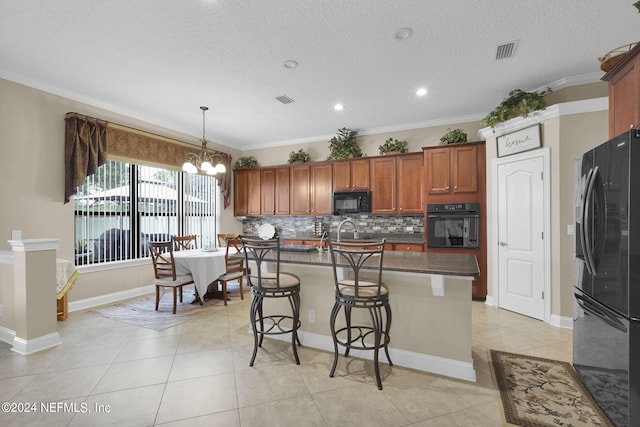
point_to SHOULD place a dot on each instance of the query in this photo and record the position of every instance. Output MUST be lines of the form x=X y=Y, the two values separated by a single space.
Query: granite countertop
x=447 y=264
x=409 y=238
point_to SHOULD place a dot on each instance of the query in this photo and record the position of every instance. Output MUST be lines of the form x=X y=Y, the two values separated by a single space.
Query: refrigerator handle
x=584 y=239
x=601 y=312
x=587 y=223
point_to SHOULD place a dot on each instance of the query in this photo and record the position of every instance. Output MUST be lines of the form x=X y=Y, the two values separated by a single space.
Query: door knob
x=502 y=243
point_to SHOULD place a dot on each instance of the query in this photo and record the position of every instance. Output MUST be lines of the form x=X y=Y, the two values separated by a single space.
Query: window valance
x=89 y=141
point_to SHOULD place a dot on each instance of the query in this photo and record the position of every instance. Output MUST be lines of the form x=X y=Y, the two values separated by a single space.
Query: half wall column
x=34 y=276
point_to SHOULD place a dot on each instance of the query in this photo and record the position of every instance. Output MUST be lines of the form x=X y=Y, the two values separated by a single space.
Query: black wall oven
x=453 y=225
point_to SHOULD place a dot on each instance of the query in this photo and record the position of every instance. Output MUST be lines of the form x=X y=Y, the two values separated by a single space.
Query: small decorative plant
x=453 y=136
x=245 y=162
x=344 y=145
x=299 y=156
x=391 y=145
x=81 y=246
x=518 y=103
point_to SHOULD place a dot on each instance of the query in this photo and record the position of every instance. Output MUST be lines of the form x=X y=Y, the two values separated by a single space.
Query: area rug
x=143 y=312
x=538 y=392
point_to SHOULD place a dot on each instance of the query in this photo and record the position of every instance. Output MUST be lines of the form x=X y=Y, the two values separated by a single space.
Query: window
x=124 y=206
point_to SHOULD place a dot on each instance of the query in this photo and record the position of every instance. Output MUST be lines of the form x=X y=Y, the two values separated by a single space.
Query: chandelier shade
x=204 y=160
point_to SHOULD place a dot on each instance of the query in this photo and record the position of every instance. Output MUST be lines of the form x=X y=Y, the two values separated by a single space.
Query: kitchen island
x=430 y=297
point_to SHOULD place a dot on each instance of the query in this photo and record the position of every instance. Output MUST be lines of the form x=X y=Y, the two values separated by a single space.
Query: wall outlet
x=1 y=310
x=312 y=316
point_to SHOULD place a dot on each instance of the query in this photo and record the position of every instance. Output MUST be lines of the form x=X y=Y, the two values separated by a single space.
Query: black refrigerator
x=606 y=325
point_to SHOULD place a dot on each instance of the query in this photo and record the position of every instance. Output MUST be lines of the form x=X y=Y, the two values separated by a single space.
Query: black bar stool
x=354 y=292
x=271 y=285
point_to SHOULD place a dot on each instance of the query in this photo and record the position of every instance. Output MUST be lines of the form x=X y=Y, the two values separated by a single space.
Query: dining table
x=204 y=265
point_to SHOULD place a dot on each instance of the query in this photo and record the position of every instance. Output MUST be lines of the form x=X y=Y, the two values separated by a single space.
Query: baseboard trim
x=110 y=298
x=561 y=321
x=7 y=335
x=25 y=347
x=408 y=359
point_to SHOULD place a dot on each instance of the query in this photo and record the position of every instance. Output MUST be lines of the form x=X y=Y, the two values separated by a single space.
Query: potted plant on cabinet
x=245 y=162
x=393 y=146
x=518 y=103
x=299 y=156
x=453 y=137
x=344 y=145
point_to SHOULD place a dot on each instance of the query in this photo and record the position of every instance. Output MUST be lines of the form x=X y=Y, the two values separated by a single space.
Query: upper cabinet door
x=246 y=200
x=342 y=175
x=300 y=199
x=464 y=169
x=383 y=185
x=452 y=169
x=438 y=166
x=267 y=191
x=410 y=184
x=321 y=178
x=282 y=191
x=360 y=179
x=351 y=175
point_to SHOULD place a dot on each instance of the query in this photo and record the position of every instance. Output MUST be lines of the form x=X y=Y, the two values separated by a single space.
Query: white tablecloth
x=205 y=267
x=66 y=275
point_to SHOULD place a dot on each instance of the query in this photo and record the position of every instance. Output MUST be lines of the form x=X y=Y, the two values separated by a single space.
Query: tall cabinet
x=456 y=174
x=624 y=93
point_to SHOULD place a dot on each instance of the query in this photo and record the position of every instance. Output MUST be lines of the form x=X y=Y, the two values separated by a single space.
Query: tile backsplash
x=292 y=226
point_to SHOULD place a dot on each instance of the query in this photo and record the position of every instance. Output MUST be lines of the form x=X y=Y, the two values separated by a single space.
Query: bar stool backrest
x=356 y=256
x=257 y=250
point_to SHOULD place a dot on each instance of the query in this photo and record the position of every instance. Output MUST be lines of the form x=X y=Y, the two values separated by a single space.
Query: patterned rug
x=538 y=392
x=143 y=312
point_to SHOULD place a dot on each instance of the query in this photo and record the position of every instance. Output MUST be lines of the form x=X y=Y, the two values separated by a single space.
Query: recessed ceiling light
x=421 y=92
x=403 y=33
x=290 y=64
x=338 y=107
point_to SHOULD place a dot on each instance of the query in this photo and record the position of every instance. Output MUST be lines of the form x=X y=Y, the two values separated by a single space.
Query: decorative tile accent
x=296 y=226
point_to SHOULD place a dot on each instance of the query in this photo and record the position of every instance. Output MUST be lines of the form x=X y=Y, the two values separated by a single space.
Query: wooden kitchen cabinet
x=274 y=191
x=396 y=184
x=383 y=185
x=246 y=198
x=351 y=175
x=624 y=93
x=311 y=189
x=407 y=247
x=452 y=170
x=409 y=175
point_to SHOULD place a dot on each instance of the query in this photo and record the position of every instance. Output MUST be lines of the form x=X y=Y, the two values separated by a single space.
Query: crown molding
x=556 y=110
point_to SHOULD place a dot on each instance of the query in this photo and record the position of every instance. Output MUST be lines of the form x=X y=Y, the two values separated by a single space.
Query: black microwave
x=351 y=202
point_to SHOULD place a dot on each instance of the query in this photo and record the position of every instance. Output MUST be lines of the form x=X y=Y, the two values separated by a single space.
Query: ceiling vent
x=506 y=50
x=285 y=99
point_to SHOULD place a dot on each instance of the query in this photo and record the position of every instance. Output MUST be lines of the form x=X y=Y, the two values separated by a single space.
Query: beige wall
x=567 y=138
x=319 y=150
x=32 y=141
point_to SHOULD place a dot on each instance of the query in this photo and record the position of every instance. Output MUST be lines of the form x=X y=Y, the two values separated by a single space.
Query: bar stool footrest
x=360 y=335
x=275 y=327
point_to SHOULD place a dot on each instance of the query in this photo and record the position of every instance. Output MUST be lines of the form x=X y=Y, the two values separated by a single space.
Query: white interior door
x=521 y=224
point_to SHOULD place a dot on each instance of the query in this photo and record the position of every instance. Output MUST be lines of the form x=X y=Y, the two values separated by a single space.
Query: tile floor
x=197 y=374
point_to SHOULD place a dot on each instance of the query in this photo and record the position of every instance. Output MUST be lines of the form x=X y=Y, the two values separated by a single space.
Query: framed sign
x=521 y=140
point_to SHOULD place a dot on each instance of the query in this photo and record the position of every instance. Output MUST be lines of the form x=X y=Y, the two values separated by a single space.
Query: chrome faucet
x=342 y=223
x=322 y=237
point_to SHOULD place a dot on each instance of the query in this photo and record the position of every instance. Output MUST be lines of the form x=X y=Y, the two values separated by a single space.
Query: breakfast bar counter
x=430 y=298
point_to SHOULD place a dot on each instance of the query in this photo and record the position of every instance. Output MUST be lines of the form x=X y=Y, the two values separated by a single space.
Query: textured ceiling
x=158 y=61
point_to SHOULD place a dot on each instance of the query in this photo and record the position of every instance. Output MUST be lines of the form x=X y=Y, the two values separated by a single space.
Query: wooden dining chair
x=165 y=271
x=185 y=242
x=235 y=267
x=222 y=238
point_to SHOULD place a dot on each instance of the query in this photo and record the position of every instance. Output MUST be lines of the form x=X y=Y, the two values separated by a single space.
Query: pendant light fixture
x=203 y=161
